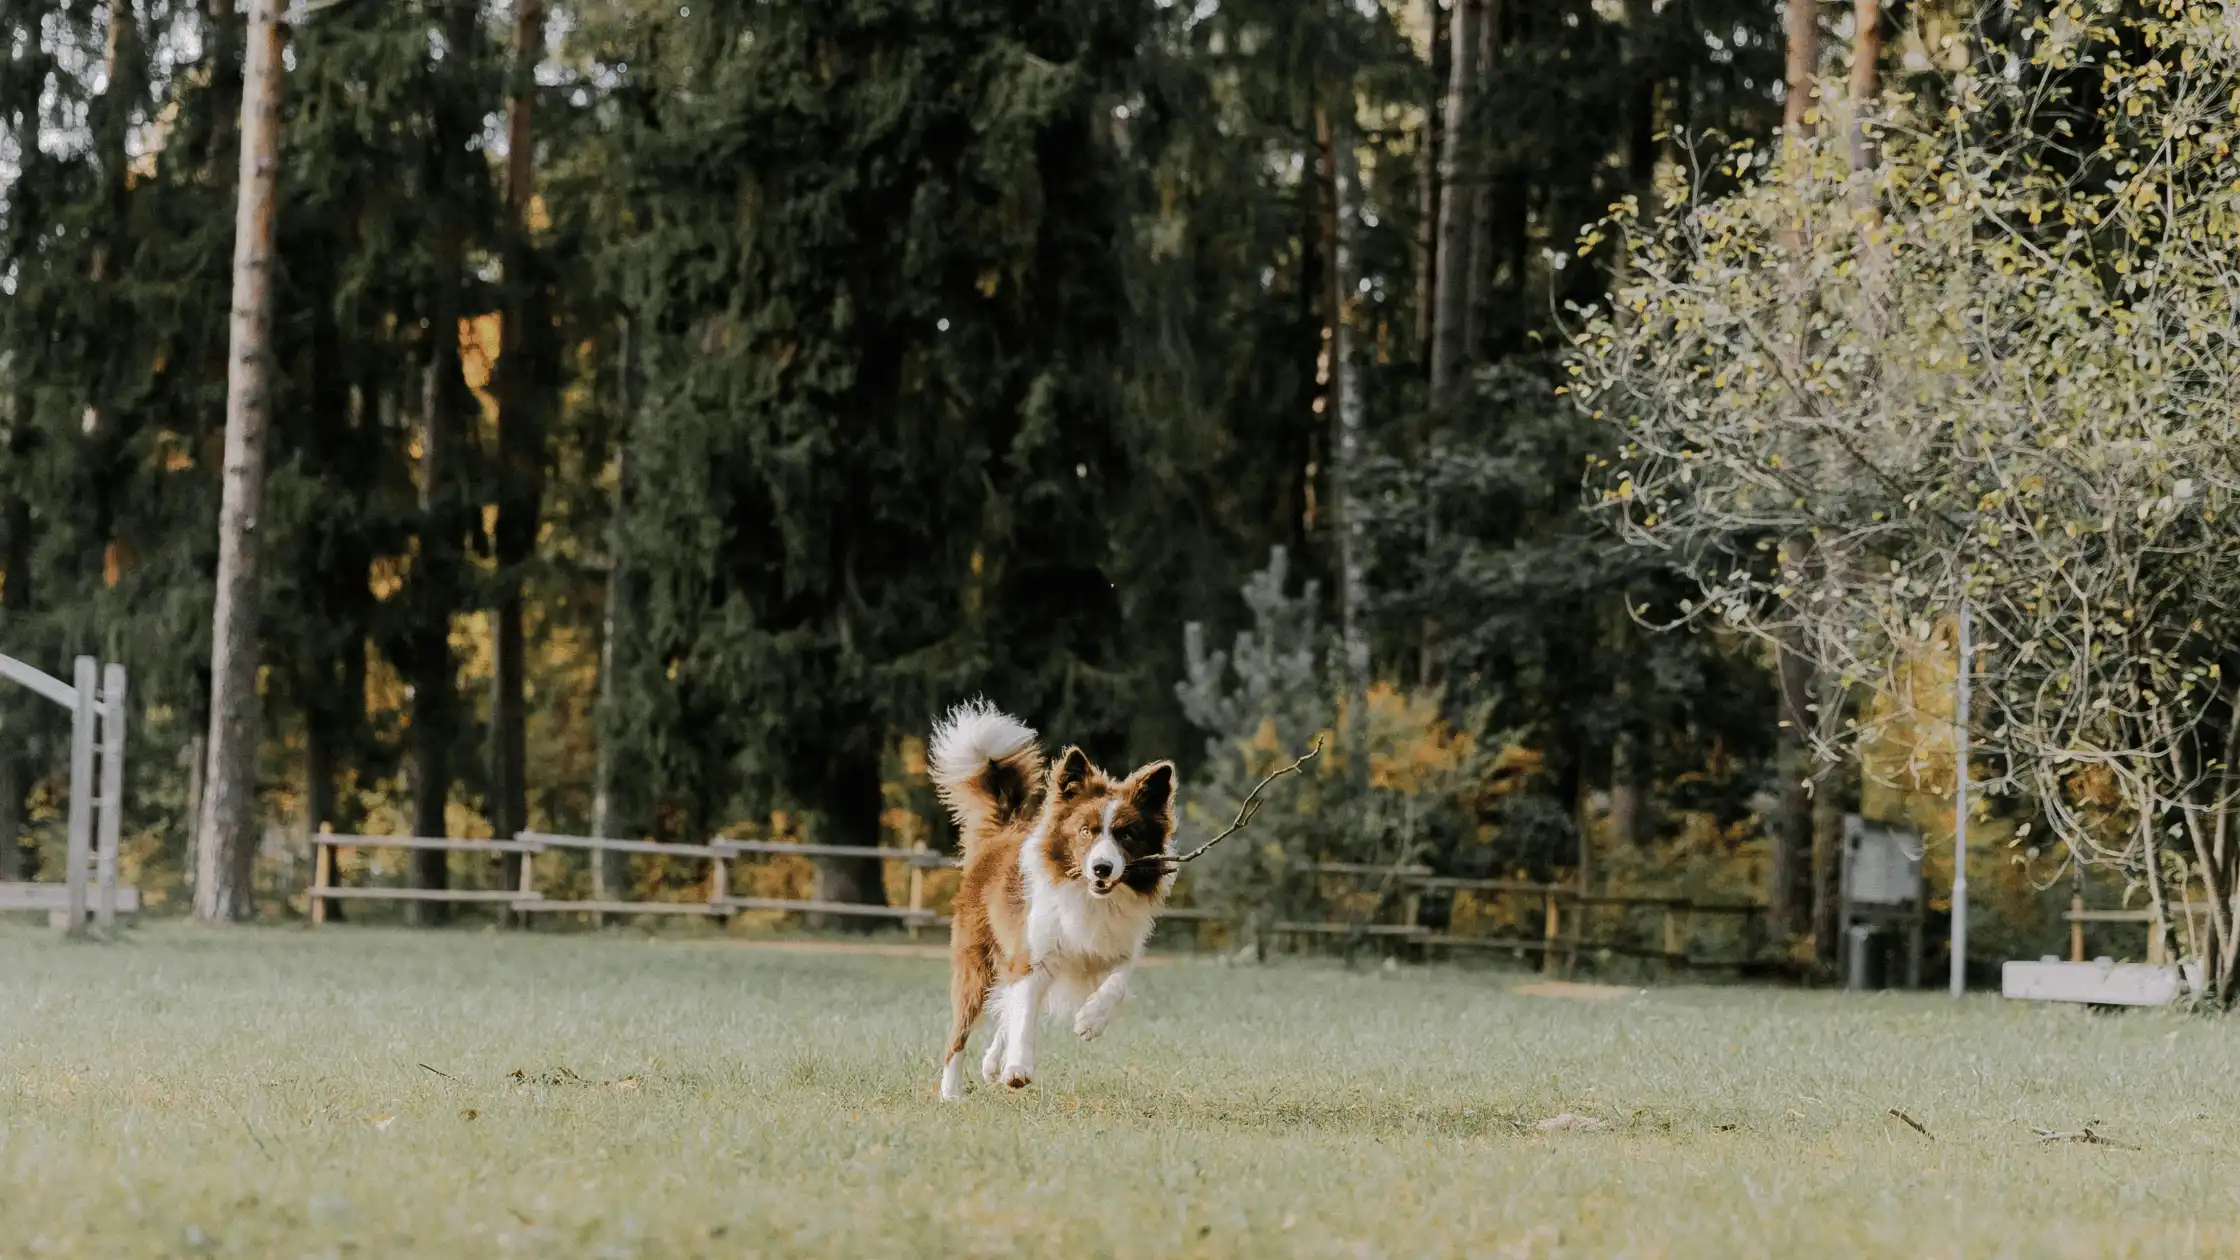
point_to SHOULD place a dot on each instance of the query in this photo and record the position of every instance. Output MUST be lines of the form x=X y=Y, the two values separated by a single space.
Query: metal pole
x=112 y=794
x=1960 y=807
x=80 y=848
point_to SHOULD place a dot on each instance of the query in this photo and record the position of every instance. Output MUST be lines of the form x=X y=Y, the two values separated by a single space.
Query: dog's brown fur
x=1001 y=802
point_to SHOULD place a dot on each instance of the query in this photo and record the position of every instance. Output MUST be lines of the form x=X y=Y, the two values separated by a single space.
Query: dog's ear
x=1071 y=772
x=1154 y=791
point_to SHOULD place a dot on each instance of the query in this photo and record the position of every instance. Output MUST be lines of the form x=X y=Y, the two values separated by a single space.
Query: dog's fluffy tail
x=986 y=765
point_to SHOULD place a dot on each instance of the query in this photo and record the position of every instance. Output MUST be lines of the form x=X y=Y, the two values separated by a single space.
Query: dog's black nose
x=1101 y=869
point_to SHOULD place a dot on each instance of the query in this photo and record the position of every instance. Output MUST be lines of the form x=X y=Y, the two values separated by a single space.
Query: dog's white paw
x=1090 y=1023
x=952 y=1079
x=991 y=1063
x=1018 y=1075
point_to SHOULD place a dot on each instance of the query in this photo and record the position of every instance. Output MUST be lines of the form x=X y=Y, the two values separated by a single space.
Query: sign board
x=1881 y=865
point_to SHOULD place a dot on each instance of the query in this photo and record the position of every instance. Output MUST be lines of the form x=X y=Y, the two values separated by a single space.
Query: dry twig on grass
x=1913 y=1124
x=2085 y=1136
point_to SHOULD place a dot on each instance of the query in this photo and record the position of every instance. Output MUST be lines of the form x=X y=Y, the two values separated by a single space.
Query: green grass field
x=366 y=1092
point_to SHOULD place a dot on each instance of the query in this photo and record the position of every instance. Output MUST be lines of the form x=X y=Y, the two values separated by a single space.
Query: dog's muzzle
x=1103 y=875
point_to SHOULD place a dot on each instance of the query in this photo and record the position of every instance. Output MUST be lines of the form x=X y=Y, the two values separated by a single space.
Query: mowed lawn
x=370 y=1092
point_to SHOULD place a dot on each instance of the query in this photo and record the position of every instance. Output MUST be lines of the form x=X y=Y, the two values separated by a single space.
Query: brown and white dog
x=1062 y=879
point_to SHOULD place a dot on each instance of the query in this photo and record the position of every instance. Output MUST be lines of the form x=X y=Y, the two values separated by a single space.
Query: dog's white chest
x=1067 y=923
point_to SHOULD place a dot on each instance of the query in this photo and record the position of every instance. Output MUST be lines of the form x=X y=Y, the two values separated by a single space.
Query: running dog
x=1065 y=869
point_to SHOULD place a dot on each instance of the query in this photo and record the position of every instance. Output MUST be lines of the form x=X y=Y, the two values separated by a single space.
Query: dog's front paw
x=1018 y=1075
x=1090 y=1023
x=991 y=1063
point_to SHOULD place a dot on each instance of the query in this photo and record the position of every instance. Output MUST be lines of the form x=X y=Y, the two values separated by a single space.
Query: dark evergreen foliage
x=887 y=351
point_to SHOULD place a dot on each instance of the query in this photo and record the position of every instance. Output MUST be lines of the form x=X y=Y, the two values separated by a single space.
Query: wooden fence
x=1562 y=911
x=525 y=898
x=2145 y=916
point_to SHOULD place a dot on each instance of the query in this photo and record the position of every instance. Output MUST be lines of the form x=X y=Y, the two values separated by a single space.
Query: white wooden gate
x=97 y=726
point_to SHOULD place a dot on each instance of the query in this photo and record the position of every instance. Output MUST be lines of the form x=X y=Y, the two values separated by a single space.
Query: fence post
x=1549 y=932
x=1575 y=937
x=917 y=888
x=111 y=822
x=2076 y=927
x=1674 y=943
x=528 y=871
x=322 y=875
x=719 y=887
x=80 y=847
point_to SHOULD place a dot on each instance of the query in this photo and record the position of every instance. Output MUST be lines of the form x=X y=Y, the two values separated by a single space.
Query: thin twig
x=2085 y=1136
x=445 y=1075
x=246 y=1127
x=1913 y=1124
x=1245 y=811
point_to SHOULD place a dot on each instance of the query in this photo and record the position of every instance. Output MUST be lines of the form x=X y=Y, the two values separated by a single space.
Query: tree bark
x=1836 y=786
x=1801 y=27
x=852 y=806
x=1866 y=79
x=228 y=826
x=16 y=714
x=1427 y=185
x=1452 y=267
x=1346 y=438
x=1477 y=313
x=318 y=787
x=198 y=763
x=1632 y=821
x=606 y=866
x=1790 y=879
x=225 y=62
x=520 y=444
x=1790 y=876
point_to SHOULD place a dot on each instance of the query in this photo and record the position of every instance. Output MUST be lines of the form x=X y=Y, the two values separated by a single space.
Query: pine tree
x=226 y=829
x=877 y=402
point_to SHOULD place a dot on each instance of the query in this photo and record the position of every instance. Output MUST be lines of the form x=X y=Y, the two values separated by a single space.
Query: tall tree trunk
x=1346 y=437
x=1631 y=773
x=852 y=806
x=1427 y=184
x=226 y=52
x=520 y=442
x=446 y=515
x=1452 y=270
x=1790 y=877
x=435 y=697
x=606 y=866
x=1866 y=79
x=228 y=826
x=1477 y=311
x=197 y=754
x=17 y=712
x=1801 y=28
x=318 y=785
x=1834 y=787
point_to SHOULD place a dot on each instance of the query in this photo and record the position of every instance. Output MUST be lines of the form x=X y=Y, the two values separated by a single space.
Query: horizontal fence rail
x=720 y=903
x=1562 y=909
